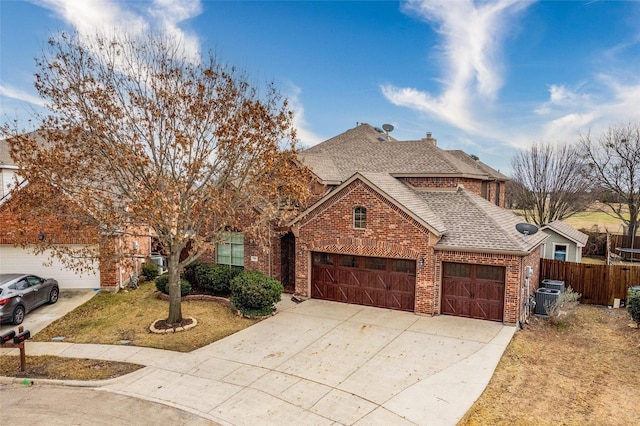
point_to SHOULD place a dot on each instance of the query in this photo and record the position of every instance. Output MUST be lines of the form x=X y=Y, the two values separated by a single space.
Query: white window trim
x=566 y=253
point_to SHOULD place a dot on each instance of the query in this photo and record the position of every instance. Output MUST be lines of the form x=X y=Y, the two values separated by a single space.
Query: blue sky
x=488 y=77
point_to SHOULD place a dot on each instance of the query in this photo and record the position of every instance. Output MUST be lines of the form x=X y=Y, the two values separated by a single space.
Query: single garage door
x=19 y=260
x=473 y=291
x=370 y=281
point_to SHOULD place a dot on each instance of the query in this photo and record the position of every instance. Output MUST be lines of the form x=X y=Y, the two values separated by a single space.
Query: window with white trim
x=360 y=217
x=560 y=252
x=231 y=250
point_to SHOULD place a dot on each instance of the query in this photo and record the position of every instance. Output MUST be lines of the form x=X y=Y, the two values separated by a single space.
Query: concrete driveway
x=39 y=318
x=325 y=363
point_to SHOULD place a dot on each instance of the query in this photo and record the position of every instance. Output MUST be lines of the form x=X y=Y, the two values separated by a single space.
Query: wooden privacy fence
x=598 y=284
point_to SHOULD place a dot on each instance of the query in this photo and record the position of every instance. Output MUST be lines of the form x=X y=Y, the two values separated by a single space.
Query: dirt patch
x=51 y=367
x=584 y=369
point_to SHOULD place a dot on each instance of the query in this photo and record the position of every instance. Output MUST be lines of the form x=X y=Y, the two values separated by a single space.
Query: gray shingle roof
x=475 y=223
x=404 y=196
x=567 y=231
x=364 y=149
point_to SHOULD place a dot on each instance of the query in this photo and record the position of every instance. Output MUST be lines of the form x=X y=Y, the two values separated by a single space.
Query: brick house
x=406 y=225
x=401 y=225
x=19 y=238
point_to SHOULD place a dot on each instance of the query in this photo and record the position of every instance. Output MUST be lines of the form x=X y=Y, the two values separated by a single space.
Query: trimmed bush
x=162 y=284
x=150 y=270
x=633 y=305
x=255 y=294
x=207 y=278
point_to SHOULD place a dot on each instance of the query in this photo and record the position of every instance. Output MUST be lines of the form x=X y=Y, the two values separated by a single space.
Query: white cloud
x=571 y=111
x=89 y=17
x=305 y=135
x=12 y=92
x=472 y=34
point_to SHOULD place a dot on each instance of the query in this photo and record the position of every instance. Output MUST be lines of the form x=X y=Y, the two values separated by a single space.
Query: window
x=406 y=266
x=231 y=251
x=493 y=273
x=462 y=270
x=348 y=261
x=360 y=217
x=560 y=252
x=497 y=193
x=322 y=259
x=375 y=263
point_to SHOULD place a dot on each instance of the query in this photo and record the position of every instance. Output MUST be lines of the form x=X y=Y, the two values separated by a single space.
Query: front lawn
x=582 y=371
x=117 y=318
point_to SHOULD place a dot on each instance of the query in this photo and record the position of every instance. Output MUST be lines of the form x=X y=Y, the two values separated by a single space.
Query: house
x=564 y=242
x=20 y=235
x=407 y=225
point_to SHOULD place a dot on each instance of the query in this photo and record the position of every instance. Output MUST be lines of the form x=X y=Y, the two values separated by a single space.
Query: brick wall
x=389 y=233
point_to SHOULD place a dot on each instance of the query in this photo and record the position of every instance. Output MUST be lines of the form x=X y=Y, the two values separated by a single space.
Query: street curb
x=4 y=380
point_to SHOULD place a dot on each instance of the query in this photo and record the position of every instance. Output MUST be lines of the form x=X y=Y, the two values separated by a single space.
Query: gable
x=388 y=190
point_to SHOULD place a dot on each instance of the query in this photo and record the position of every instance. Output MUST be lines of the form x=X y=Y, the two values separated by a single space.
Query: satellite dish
x=526 y=228
x=388 y=128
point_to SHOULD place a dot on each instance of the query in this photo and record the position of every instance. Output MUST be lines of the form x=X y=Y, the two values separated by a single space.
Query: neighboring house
x=22 y=259
x=564 y=242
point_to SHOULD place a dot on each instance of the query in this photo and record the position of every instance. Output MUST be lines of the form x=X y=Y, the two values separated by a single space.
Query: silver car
x=22 y=293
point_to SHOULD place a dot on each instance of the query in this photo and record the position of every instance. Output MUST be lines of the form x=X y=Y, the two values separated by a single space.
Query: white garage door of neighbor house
x=19 y=260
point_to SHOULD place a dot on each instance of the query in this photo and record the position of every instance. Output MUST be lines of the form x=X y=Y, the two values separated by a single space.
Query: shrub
x=217 y=279
x=209 y=278
x=565 y=303
x=633 y=305
x=254 y=293
x=191 y=271
x=150 y=270
x=162 y=284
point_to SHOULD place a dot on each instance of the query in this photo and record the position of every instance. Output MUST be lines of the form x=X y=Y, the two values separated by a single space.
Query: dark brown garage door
x=473 y=291
x=370 y=281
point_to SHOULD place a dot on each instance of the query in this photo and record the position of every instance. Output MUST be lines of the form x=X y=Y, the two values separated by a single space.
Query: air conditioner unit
x=553 y=284
x=160 y=261
x=544 y=298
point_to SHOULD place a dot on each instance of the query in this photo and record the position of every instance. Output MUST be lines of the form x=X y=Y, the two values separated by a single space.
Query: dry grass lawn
x=51 y=367
x=584 y=370
x=126 y=316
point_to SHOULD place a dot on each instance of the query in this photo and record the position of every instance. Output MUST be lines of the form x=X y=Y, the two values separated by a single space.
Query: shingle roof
x=475 y=223
x=364 y=149
x=406 y=197
x=567 y=231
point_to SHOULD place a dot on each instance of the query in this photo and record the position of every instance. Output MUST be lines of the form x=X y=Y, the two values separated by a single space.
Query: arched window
x=360 y=217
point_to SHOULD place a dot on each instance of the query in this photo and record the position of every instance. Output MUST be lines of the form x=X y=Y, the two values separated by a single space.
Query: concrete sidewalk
x=318 y=363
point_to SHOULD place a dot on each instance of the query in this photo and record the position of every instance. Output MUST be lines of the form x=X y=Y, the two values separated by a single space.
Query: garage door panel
x=19 y=260
x=354 y=283
x=465 y=294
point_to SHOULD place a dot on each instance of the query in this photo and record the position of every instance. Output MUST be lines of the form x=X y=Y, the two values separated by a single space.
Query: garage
x=473 y=291
x=19 y=260
x=369 y=281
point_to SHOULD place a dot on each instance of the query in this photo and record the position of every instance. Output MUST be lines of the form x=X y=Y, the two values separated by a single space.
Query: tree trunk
x=175 y=305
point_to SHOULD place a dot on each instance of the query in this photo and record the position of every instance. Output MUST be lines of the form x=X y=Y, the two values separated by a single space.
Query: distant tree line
x=555 y=181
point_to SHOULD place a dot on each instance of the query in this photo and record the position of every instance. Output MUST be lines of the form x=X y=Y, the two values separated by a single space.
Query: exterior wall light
x=41 y=236
x=421 y=262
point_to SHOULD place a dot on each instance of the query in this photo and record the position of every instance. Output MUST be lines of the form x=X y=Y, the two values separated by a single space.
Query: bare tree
x=549 y=182
x=147 y=141
x=614 y=166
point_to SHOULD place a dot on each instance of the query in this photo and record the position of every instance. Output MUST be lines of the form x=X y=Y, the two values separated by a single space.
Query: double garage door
x=23 y=261
x=473 y=291
x=370 y=281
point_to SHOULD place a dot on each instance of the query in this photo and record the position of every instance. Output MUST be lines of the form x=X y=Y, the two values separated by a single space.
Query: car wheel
x=18 y=315
x=53 y=295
